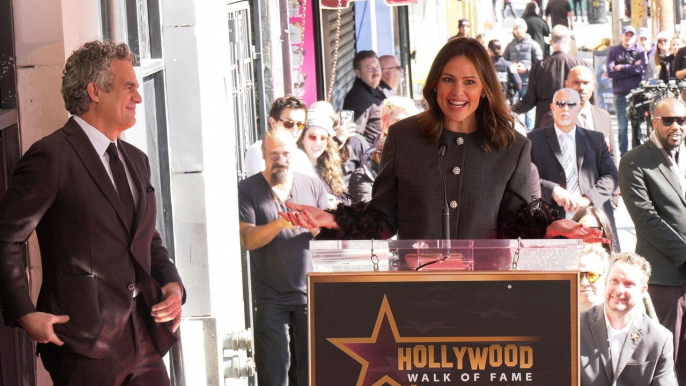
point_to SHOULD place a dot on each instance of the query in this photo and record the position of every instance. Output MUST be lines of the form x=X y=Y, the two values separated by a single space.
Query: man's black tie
x=121 y=183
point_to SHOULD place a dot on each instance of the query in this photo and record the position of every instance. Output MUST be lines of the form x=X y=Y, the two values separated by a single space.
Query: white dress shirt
x=101 y=143
x=616 y=339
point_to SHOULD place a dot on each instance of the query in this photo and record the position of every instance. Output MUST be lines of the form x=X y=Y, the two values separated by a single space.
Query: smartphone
x=347 y=116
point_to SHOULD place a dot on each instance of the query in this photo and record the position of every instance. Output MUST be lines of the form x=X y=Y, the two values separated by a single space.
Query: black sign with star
x=478 y=328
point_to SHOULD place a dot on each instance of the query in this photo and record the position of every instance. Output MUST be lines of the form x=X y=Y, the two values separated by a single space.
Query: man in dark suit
x=652 y=184
x=574 y=165
x=110 y=301
x=548 y=75
x=581 y=79
x=619 y=344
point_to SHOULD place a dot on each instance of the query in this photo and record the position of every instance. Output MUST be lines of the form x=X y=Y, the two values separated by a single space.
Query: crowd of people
x=565 y=156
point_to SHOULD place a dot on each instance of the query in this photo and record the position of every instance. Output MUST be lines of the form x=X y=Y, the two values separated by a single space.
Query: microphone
x=443 y=145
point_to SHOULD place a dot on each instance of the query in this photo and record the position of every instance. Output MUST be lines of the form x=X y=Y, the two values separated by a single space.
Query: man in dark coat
x=365 y=97
x=89 y=198
x=548 y=75
x=653 y=185
x=574 y=165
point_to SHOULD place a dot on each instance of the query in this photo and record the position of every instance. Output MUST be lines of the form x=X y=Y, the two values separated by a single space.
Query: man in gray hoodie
x=523 y=52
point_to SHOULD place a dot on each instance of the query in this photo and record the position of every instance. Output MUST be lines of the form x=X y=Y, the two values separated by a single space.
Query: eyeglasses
x=287 y=123
x=562 y=104
x=315 y=137
x=394 y=68
x=276 y=157
x=667 y=121
x=590 y=275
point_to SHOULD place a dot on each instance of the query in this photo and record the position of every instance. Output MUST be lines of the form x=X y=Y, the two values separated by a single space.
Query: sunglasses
x=667 y=121
x=287 y=123
x=662 y=40
x=562 y=104
x=277 y=157
x=315 y=137
x=598 y=228
x=590 y=275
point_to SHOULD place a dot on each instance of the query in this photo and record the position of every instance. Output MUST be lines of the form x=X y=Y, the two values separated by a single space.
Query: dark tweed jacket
x=487 y=188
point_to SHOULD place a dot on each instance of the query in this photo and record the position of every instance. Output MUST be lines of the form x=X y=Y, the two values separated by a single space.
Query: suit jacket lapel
x=659 y=160
x=581 y=147
x=599 y=331
x=91 y=160
x=136 y=177
x=554 y=144
x=629 y=344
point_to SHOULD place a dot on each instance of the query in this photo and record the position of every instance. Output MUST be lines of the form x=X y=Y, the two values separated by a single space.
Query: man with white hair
x=523 y=52
x=392 y=74
x=548 y=75
x=575 y=168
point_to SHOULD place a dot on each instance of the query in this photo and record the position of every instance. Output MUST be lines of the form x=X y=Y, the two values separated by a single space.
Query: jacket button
x=131 y=249
x=453 y=204
x=456 y=170
x=131 y=287
x=460 y=141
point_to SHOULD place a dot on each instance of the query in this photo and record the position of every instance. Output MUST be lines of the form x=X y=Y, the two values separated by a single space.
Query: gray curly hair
x=92 y=62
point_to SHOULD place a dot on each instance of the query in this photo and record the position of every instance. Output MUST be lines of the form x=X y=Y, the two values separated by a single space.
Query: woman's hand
x=309 y=217
x=573 y=230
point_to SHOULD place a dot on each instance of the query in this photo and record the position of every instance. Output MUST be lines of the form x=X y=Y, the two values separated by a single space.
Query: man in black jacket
x=365 y=97
x=548 y=75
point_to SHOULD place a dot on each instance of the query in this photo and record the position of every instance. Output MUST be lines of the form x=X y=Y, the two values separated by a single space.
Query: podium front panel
x=508 y=328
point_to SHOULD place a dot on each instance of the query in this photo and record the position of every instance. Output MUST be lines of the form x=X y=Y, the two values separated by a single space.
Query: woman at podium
x=460 y=157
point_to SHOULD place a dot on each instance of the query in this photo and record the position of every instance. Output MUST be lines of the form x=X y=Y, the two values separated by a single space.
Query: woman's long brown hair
x=495 y=125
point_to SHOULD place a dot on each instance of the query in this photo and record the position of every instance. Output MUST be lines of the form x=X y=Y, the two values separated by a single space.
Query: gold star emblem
x=634 y=337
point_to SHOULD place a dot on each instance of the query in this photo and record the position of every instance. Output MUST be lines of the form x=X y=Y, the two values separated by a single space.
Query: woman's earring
x=483 y=95
x=434 y=89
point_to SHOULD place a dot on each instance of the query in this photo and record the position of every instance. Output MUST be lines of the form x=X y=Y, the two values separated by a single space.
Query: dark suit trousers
x=670 y=304
x=134 y=361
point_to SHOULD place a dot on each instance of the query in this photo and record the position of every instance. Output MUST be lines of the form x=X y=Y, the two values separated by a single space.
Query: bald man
x=392 y=74
x=279 y=258
x=651 y=178
x=581 y=79
x=574 y=165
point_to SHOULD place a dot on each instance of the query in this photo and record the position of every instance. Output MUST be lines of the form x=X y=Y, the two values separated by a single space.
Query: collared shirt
x=616 y=339
x=585 y=118
x=560 y=140
x=671 y=157
x=101 y=143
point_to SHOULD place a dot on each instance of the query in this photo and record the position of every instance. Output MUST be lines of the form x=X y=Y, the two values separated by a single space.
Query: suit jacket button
x=453 y=204
x=131 y=287
x=131 y=249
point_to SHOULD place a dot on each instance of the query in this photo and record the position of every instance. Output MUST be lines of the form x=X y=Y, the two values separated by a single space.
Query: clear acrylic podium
x=456 y=255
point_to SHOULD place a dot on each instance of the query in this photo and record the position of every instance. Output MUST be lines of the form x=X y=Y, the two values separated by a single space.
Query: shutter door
x=345 y=76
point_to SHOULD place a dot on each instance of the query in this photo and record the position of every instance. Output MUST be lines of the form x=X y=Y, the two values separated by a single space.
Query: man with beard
x=653 y=185
x=619 y=344
x=279 y=258
x=574 y=165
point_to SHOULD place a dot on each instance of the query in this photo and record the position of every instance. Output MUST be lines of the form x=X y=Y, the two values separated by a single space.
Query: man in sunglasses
x=279 y=259
x=287 y=113
x=619 y=344
x=575 y=168
x=653 y=185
